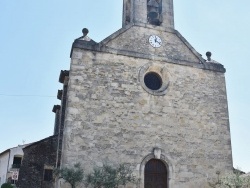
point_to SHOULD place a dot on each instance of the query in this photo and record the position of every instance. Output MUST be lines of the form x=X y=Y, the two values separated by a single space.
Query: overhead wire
x=7 y=95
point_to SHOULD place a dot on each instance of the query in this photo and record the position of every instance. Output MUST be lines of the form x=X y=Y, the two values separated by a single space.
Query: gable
x=134 y=41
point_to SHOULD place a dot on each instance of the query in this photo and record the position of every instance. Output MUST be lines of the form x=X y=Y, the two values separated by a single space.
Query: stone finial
x=84 y=36
x=209 y=54
x=85 y=31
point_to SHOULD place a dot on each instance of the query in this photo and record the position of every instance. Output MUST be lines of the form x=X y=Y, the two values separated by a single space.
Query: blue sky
x=35 y=43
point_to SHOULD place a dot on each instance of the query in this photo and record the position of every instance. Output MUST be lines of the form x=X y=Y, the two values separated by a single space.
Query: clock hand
x=157 y=41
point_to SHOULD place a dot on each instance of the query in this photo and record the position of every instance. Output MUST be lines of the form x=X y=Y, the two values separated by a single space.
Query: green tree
x=110 y=177
x=7 y=185
x=73 y=175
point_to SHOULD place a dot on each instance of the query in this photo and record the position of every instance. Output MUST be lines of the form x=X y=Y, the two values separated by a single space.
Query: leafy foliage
x=73 y=175
x=232 y=180
x=7 y=185
x=110 y=177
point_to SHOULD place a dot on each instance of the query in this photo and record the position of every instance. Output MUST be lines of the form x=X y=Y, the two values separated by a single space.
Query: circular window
x=153 y=81
x=154 y=78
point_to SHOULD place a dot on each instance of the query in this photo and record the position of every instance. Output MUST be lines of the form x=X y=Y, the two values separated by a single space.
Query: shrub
x=232 y=180
x=7 y=185
x=110 y=177
x=73 y=175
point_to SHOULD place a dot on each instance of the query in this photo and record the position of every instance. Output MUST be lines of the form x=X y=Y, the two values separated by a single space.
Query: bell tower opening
x=151 y=12
x=155 y=174
x=127 y=11
x=154 y=12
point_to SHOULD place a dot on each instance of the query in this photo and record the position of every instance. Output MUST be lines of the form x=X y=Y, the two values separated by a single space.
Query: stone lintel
x=48 y=167
x=62 y=76
x=55 y=108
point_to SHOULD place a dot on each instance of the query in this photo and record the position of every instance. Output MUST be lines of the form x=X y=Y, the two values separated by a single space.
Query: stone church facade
x=144 y=96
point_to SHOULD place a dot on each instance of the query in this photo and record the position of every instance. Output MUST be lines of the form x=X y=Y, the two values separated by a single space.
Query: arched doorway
x=155 y=174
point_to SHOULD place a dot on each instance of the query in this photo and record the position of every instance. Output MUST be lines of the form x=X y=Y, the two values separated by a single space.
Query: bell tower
x=152 y=12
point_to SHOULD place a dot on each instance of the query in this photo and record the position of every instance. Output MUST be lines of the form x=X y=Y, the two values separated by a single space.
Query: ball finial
x=209 y=54
x=85 y=31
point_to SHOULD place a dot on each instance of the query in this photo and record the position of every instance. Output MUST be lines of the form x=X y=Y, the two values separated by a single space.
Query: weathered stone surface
x=136 y=39
x=37 y=157
x=112 y=118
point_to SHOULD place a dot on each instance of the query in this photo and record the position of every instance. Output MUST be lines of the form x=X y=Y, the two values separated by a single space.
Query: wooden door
x=155 y=174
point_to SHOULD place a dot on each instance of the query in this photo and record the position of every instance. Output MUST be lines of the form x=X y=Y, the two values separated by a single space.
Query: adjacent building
x=38 y=164
x=10 y=163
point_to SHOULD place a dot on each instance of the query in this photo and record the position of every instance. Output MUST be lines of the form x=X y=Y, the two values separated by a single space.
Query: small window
x=17 y=162
x=48 y=175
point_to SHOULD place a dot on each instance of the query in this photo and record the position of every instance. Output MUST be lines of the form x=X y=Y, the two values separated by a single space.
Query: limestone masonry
x=114 y=116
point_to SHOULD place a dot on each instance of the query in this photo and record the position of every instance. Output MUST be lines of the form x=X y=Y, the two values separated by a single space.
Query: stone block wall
x=111 y=118
x=37 y=157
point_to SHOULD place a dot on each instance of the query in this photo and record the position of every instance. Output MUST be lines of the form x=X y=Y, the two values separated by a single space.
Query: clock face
x=155 y=41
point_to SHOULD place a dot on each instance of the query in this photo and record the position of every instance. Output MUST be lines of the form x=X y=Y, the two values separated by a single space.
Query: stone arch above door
x=158 y=155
